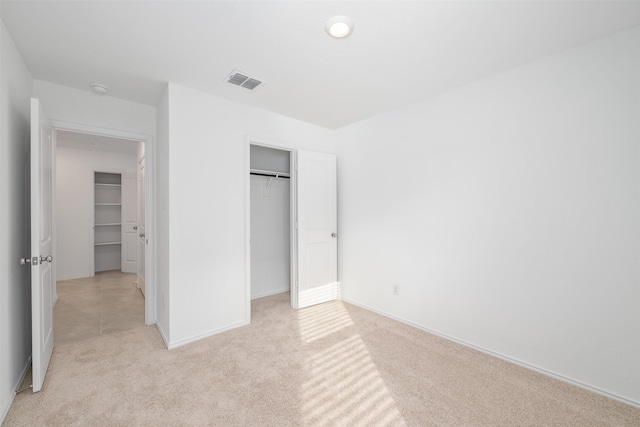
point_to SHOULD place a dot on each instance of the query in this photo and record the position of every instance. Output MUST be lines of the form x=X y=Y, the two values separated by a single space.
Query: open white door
x=317 y=229
x=129 y=222
x=42 y=280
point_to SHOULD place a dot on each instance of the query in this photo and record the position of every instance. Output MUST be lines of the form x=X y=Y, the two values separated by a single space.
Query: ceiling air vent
x=239 y=78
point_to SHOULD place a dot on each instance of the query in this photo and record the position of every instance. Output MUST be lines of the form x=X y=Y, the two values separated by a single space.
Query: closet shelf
x=108 y=185
x=107 y=225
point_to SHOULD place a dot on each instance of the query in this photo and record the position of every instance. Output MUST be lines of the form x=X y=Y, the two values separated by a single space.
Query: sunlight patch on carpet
x=320 y=321
x=343 y=384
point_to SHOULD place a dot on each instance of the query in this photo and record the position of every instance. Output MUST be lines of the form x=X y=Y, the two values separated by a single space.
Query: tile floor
x=92 y=306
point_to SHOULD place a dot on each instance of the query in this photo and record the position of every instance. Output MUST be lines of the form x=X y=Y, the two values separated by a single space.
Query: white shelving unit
x=107 y=221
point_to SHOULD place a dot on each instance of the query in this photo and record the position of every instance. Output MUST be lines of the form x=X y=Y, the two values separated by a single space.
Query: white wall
x=75 y=208
x=70 y=105
x=207 y=181
x=270 y=236
x=508 y=211
x=15 y=294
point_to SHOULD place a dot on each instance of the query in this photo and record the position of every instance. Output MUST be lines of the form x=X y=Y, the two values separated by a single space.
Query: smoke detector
x=99 y=88
x=241 y=79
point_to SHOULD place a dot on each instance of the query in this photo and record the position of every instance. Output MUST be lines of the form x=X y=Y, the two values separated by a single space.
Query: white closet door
x=129 y=223
x=317 y=229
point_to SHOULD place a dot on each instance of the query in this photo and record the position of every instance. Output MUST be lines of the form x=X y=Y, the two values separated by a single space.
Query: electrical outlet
x=395 y=289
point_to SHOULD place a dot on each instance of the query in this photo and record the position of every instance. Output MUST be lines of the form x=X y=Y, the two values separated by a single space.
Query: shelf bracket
x=270 y=181
x=268 y=185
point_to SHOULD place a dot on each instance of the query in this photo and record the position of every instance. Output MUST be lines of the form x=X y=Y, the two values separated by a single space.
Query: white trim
x=263 y=142
x=162 y=334
x=21 y=378
x=247 y=230
x=72 y=277
x=150 y=211
x=508 y=359
x=54 y=216
x=195 y=338
x=294 y=228
x=23 y=375
x=97 y=130
x=269 y=293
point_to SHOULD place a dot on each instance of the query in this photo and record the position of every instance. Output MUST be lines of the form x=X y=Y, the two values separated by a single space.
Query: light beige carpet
x=328 y=365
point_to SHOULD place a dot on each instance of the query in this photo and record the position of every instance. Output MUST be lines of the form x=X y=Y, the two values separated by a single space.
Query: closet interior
x=270 y=203
x=107 y=221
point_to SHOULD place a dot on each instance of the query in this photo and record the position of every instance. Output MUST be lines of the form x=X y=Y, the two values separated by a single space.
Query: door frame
x=293 y=217
x=149 y=200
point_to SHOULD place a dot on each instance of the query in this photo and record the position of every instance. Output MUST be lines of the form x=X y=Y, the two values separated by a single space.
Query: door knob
x=46 y=258
x=334 y=234
x=135 y=227
x=24 y=261
x=141 y=234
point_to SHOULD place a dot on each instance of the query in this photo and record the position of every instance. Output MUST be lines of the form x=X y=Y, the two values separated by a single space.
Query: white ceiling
x=400 y=51
x=85 y=141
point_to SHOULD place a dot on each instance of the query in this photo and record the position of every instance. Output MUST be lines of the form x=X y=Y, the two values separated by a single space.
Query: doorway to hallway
x=89 y=307
x=98 y=189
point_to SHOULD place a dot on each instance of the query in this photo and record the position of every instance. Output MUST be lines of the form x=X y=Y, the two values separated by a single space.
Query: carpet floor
x=328 y=365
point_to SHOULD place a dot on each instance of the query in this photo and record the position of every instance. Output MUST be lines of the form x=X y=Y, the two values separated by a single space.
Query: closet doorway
x=271 y=231
x=291 y=201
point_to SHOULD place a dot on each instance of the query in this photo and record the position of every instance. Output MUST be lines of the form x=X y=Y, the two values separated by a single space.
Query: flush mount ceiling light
x=100 y=89
x=339 y=26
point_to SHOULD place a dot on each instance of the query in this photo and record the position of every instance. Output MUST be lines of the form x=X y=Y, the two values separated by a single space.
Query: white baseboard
x=269 y=293
x=162 y=334
x=186 y=341
x=526 y=365
x=24 y=373
x=5 y=410
x=71 y=277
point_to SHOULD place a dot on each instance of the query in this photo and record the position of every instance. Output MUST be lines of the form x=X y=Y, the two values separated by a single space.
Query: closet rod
x=269 y=173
